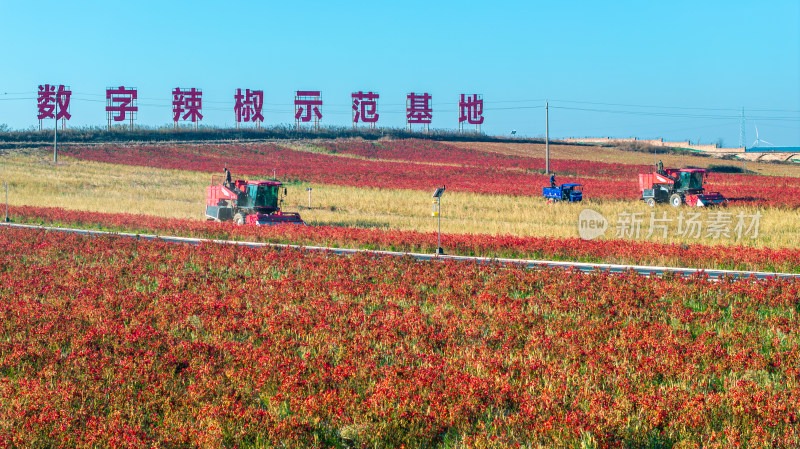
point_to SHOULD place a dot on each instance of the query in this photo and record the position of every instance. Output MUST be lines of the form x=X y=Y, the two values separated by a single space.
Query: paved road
x=581 y=266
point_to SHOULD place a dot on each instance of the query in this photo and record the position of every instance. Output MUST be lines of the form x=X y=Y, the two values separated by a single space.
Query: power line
x=675 y=114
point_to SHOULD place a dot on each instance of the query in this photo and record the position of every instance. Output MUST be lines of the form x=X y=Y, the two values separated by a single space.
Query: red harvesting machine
x=247 y=202
x=677 y=186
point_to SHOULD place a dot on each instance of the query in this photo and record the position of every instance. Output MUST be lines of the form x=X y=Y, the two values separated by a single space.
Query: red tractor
x=677 y=186
x=247 y=202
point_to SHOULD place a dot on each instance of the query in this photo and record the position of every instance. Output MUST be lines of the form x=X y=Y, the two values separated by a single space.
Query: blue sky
x=678 y=70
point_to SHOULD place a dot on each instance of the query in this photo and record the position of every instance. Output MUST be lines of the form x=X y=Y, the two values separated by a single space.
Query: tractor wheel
x=238 y=219
x=675 y=200
x=651 y=202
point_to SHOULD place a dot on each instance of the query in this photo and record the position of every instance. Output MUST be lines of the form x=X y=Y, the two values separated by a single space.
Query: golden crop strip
x=84 y=185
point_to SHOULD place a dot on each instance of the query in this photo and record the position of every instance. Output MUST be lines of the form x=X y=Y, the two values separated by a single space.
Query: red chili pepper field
x=118 y=342
x=110 y=342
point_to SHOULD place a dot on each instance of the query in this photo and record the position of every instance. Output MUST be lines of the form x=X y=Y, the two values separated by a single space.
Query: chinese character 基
x=365 y=108
x=470 y=110
x=418 y=109
x=305 y=102
x=188 y=102
x=248 y=106
x=121 y=103
x=53 y=102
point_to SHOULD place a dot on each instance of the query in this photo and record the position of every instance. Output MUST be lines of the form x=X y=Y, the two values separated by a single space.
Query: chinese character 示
x=189 y=101
x=248 y=106
x=470 y=109
x=365 y=107
x=718 y=224
x=418 y=108
x=121 y=101
x=751 y=229
x=305 y=102
x=689 y=226
x=629 y=224
x=53 y=103
x=661 y=224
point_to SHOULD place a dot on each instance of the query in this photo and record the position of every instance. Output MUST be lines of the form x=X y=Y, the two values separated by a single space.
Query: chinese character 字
x=418 y=108
x=189 y=102
x=248 y=106
x=470 y=109
x=120 y=101
x=53 y=103
x=305 y=102
x=365 y=107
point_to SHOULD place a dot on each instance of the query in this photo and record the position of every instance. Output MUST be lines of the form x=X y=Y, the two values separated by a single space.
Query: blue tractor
x=565 y=192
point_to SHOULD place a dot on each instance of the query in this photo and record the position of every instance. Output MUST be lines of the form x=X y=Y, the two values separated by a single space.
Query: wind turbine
x=759 y=140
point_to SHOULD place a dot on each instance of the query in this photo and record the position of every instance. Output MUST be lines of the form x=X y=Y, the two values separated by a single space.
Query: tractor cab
x=687 y=179
x=261 y=196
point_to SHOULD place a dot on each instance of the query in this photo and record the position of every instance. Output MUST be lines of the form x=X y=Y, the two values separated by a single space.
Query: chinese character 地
x=470 y=109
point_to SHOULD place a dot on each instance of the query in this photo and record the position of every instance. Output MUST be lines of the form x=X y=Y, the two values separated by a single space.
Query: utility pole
x=742 y=141
x=55 y=140
x=546 y=137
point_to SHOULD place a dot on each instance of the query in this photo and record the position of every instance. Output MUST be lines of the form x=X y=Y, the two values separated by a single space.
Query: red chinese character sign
x=53 y=102
x=187 y=104
x=248 y=106
x=470 y=110
x=306 y=102
x=365 y=108
x=419 y=110
x=121 y=105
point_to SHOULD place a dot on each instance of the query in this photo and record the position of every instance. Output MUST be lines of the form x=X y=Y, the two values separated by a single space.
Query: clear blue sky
x=677 y=70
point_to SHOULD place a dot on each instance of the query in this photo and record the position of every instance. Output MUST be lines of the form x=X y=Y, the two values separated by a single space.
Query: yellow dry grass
x=83 y=185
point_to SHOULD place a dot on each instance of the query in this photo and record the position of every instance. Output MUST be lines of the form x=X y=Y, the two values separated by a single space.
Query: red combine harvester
x=247 y=202
x=677 y=186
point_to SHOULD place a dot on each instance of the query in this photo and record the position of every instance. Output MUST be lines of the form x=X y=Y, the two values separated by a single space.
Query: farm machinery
x=565 y=192
x=677 y=186
x=247 y=202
